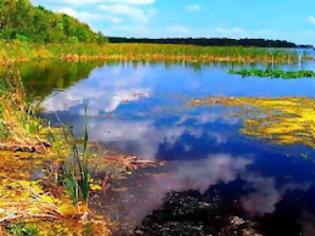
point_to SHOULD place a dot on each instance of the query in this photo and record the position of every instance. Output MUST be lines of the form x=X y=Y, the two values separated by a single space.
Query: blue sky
x=292 y=20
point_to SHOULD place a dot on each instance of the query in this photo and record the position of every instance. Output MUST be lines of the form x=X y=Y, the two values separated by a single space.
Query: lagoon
x=142 y=109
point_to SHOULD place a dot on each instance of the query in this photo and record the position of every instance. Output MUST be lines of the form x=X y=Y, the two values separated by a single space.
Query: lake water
x=141 y=109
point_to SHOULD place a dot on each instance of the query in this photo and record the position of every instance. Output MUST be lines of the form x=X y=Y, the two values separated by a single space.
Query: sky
x=292 y=20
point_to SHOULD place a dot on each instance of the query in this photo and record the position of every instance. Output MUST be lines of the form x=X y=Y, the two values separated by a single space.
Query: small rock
x=237 y=221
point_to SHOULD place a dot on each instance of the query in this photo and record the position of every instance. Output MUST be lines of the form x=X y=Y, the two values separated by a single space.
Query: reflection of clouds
x=308 y=224
x=183 y=176
x=144 y=138
x=109 y=87
x=265 y=194
x=209 y=115
x=126 y=96
x=264 y=197
x=144 y=135
x=104 y=91
x=204 y=173
x=97 y=102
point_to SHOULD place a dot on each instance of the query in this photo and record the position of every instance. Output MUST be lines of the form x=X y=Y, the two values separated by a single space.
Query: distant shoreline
x=245 y=42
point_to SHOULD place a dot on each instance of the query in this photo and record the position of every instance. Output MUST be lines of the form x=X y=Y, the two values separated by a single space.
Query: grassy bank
x=18 y=131
x=48 y=177
x=34 y=194
x=18 y=51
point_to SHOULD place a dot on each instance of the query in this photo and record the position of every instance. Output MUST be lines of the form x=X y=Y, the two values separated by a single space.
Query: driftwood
x=132 y=162
x=18 y=216
x=40 y=147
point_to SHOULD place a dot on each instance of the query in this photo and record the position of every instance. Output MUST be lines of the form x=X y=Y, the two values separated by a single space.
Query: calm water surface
x=140 y=109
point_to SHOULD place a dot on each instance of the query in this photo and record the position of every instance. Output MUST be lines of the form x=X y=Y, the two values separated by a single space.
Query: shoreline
x=35 y=163
x=21 y=52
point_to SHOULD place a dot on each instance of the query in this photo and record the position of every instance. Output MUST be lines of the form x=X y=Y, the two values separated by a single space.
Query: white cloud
x=90 y=2
x=234 y=30
x=312 y=19
x=88 y=17
x=139 y=30
x=68 y=2
x=113 y=19
x=97 y=12
x=130 y=2
x=179 y=30
x=193 y=7
x=125 y=10
x=69 y=11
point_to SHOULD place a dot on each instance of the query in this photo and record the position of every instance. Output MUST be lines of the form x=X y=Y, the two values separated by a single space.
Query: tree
x=19 y=19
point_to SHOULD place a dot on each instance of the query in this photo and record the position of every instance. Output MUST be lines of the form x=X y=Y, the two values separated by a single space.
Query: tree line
x=209 y=42
x=20 y=20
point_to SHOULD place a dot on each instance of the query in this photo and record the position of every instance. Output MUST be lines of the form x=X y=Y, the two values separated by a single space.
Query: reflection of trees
x=41 y=78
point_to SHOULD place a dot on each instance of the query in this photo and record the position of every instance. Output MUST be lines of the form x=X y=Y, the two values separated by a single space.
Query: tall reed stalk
x=77 y=172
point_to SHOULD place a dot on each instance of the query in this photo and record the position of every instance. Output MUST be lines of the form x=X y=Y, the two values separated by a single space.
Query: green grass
x=70 y=182
x=23 y=230
x=18 y=126
x=273 y=73
x=77 y=172
x=19 y=51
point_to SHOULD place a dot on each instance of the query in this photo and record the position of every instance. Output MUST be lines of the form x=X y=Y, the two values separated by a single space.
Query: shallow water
x=141 y=109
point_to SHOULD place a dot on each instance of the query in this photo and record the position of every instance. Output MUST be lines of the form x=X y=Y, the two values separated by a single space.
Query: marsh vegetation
x=286 y=120
x=138 y=160
x=79 y=185
x=21 y=51
x=273 y=73
x=38 y=206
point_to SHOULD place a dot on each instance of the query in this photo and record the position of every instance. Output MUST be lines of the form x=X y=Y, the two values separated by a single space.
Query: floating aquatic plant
x=287 y=120
x=274 y=73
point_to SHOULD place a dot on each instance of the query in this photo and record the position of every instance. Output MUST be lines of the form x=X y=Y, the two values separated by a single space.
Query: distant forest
x=20 y=20
x=210 y=42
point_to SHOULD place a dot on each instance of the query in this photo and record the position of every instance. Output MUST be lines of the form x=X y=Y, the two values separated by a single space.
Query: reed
x=17 y=51
x=20 y=130
x=76 y=172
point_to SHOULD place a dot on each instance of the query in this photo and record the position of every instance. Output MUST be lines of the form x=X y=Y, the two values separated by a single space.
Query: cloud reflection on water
x=145 y=138
x=151 y=121
x=260 y=196
x=265 y=193
x=100 y=93
x=184 y=175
